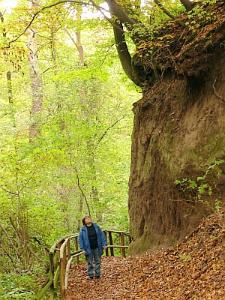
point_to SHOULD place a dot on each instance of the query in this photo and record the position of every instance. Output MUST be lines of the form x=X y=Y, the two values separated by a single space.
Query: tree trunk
x=86 y=110
x=77 y=40
x=80 y=210
x=187 y=4
x=94 y=189
x=79 y=45
x=36 y=81
x=8 y=73
x=9 y=85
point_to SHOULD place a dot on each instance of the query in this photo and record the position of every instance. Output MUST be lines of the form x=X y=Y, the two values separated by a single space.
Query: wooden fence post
x=111 y=243
x=130 y=239
x=63 y=262
x=52 y=267
x=107 y=249
x=77 y=248
x=56 y=267
x=68 y=249
x=122 y=244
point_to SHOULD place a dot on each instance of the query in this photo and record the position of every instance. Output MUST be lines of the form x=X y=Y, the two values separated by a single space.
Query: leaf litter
x=194 y=269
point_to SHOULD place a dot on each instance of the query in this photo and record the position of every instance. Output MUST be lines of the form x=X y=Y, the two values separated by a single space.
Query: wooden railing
x=67 y=249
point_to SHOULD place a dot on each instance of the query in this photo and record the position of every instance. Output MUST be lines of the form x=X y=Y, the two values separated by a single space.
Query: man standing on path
x=92 y=241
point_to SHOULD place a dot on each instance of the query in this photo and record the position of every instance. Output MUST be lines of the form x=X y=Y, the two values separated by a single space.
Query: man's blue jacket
x=84 y=240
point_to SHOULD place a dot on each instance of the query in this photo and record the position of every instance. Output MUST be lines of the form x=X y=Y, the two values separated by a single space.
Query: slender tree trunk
x=8 y=73
x=77 y=40
x=57 y=85
x=79 y=45
x=80 y=209
x=94 y=189
x=94 y=194
x=36 y=81
x=9 y=85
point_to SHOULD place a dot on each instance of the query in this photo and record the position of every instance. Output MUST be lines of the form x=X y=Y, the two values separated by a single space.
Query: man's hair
x=83 y=220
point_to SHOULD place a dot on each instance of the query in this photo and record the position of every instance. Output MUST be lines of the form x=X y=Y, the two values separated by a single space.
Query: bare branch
x=12 y=243
x=101 y=9
x=107 y=129
x=9 y=256
x=82 y=192
x=166 y=11
x=8 y=191
x=40 y=243
x=106 y=54
x=48 y=7
x=72 y=38
x=120 y=13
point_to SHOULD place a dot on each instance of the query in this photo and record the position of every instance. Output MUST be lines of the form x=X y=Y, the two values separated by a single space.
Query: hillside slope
x=195 y=269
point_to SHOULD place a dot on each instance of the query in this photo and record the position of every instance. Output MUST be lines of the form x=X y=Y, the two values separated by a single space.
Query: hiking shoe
x=90 y=278
x=97 y=277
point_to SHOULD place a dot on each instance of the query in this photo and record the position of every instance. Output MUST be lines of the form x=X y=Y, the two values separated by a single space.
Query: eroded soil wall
x=179 y=129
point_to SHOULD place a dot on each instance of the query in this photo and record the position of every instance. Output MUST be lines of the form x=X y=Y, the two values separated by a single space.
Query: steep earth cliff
x=179 y=130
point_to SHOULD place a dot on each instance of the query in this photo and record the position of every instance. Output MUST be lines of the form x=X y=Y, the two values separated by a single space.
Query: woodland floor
x=195 y=269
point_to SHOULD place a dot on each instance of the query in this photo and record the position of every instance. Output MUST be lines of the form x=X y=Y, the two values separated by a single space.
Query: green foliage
x=217 y=205
x=85 y=126
x=210 y=2
x=198 y=17
x=203 y=185
x=13 y=286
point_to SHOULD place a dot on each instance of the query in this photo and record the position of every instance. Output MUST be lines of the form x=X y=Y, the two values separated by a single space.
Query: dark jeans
x=94 y=263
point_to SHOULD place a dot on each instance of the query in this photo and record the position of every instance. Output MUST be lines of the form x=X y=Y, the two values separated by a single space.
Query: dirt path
x=194 y=270
x=107 y=287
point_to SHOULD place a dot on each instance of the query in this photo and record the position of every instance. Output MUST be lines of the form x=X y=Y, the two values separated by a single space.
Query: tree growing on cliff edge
x=126 y=17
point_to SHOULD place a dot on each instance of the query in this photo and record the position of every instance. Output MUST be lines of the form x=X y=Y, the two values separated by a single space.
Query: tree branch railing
x=66 y=249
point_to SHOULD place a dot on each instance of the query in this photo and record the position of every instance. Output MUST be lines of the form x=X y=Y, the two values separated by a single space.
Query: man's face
x=88 y=221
